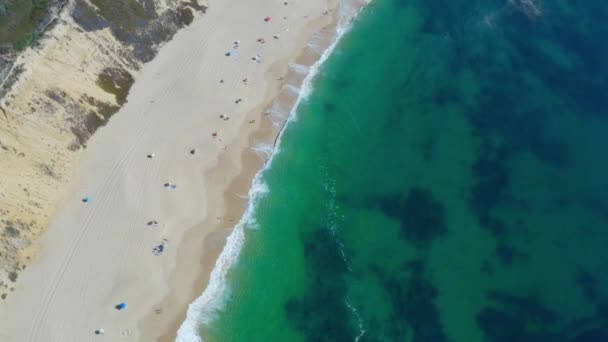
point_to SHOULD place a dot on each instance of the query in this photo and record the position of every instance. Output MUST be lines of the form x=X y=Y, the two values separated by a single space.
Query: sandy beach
x=198 y=113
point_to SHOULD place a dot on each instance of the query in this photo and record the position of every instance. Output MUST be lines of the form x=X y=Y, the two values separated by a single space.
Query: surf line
x=204 y=308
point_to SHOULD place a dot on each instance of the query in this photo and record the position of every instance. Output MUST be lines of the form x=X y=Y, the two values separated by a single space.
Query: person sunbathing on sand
x=158 y=250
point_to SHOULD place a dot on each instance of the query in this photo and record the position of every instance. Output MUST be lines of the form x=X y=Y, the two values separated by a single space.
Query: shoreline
x=99 y=251
x=234 y=196
x=312 y=59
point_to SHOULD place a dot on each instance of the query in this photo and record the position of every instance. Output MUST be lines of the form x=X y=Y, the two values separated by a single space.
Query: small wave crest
x=206 y=307
x=299 y=68
x=264 y=150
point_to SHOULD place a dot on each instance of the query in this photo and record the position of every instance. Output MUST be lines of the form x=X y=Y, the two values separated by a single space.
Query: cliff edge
x=81 y=60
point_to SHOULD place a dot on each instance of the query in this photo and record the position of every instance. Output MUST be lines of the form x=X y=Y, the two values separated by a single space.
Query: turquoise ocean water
x=446 y=180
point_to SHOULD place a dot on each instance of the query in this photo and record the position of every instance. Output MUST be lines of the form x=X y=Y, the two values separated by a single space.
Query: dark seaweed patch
x=588 y=283
x=596 y=335
x=598 y=203
x=418 y=306
x=486 y=268
x=428 y=148
x=446 y=96
x=519 y=319
x=590 y=329
x=522 y=130
x=497 y=227
x=491 y=179
x=329 y=107
x=502 y=111
x=527 y=131
x=421 y=215
x=321 y=314
x=413 y=309
x=575 y=85
x=525 y=319
x=506 y=253
x=340 y=84
x=444 y=17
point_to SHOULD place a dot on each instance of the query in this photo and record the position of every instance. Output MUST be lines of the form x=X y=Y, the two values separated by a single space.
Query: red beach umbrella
x=267 y=19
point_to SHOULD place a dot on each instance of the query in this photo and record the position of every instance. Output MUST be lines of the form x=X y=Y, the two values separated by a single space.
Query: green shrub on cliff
x=124 y=13
x=116 y=81
x=19 y=20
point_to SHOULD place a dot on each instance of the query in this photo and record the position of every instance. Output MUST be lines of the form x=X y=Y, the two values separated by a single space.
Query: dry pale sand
x=47 y=113
x=98 y=254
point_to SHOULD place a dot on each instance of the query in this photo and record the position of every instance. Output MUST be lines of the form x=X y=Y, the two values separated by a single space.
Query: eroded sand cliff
x=56 y=94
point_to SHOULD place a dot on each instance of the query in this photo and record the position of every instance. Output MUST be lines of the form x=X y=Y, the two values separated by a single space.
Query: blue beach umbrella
x=86 y=199
x=228 y=53
x=120 y=306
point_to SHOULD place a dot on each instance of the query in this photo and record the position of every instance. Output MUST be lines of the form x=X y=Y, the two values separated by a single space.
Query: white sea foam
x=204 y=309
x=264 y=150
x=359 y=320
x=292 y=88
x=299 y=68
x=315 y=46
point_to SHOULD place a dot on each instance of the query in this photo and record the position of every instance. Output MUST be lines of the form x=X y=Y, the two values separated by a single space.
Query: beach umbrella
x=267 y=19
x=228 y=53
x=120 y=306
x=86 y=199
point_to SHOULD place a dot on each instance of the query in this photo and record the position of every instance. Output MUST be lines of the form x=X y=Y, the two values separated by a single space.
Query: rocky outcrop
x=55 y=94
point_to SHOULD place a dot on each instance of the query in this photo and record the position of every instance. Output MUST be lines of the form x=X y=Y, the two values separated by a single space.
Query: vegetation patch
x=19 y=20
x=90 y=123
x=116 y=81
x=185 y=16
x=92 y=120
x=196 y=6
x=86 y=16
x=106 y=110
x=124 y=13
x=421 y=215
x=48 y=170
x=11 y=231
